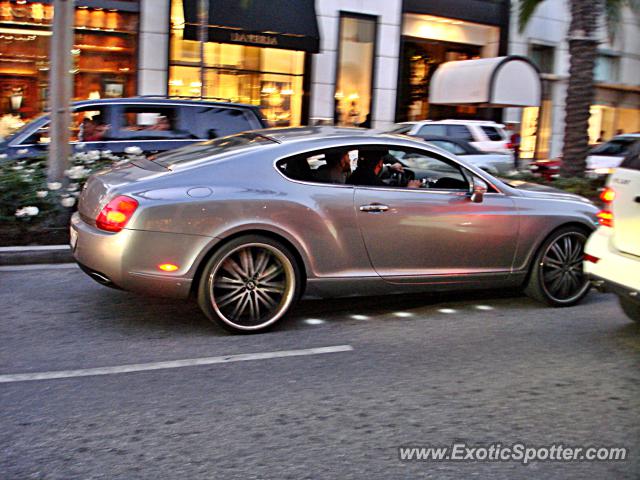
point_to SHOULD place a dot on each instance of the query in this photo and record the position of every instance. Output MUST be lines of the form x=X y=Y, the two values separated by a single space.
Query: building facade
x=105 y=53
x=616 y=103
x=348 y=62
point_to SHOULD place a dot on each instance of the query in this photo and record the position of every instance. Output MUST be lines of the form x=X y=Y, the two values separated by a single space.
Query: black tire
x=630 y=308
x=556 y=277
x=249 y=284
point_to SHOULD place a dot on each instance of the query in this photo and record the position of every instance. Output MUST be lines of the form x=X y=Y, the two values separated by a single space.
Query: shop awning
x=288 y=24
x=511 y=81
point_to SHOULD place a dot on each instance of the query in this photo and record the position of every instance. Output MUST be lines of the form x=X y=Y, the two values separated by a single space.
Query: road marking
x=314 y=321
x=38 y=266
x=484 y=307
x=190 y=362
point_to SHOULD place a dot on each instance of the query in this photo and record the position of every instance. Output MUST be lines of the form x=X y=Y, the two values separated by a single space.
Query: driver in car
x=370 y=165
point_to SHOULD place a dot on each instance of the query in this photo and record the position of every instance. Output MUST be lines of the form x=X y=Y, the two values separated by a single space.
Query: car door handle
x=373 y=208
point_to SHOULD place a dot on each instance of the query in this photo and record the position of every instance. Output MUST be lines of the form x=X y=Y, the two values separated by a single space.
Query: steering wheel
x=402 y=179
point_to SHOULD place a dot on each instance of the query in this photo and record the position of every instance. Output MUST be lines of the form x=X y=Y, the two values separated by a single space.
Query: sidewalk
x=35 y=254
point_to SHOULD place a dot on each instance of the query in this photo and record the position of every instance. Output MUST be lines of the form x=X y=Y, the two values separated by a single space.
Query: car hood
x=535 y=190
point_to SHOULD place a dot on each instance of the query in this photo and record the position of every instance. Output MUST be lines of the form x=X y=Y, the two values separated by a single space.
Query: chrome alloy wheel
x=563 y=279
x=252 y=286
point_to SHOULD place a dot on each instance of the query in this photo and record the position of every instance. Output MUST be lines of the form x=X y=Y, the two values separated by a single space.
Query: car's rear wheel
x=630 y=308
x=557 y=277
x=249 y=284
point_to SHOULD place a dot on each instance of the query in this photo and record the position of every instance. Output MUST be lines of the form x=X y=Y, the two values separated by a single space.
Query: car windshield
x=23 y=128
x=218 y=146
x=617 y=147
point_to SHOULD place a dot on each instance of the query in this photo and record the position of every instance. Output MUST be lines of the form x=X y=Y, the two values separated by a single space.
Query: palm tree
x=583 y=50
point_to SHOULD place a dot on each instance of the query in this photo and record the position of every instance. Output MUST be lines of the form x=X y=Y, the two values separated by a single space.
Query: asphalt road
x=423 y=370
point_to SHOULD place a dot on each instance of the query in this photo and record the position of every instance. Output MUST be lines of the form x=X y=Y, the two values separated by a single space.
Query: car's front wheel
x=630 y=308
x=249 y=284
x=556 y=276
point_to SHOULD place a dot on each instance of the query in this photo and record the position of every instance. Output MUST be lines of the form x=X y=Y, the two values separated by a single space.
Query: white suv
x=612 y=253
x=484 y=135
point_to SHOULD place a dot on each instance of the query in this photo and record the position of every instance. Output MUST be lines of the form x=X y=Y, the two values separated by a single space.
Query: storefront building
x=104 y=52
x=616 y=103
x=440 y=31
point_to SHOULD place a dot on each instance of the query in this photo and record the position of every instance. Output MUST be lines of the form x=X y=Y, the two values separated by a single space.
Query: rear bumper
x=614 y=271
x=129 y=259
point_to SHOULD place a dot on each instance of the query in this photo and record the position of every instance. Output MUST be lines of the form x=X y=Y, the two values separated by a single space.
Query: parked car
x=548 y=168
x=601 y=161
x=495 y=163
x=612 y=257
x=605 y=157
x=248 y=226
x=152 y=124
x=484 y=135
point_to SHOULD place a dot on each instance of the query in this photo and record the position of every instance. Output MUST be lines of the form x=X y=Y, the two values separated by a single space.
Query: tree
x=583 y=42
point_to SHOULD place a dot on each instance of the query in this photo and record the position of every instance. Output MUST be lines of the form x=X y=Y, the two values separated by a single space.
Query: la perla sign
x=253 y=38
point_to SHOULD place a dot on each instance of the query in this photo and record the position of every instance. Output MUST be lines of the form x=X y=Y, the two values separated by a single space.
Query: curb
x=35 y=255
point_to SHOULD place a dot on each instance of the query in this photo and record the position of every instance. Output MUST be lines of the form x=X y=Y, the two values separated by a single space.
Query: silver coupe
x=249 y=223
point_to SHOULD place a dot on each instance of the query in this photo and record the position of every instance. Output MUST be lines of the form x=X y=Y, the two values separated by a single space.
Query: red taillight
x=607 y=195
x=510 y=145
x=591 y=258
x=605 y=218
x=115 y=214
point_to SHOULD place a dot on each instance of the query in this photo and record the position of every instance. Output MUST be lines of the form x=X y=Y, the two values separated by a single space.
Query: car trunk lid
x=102 y=185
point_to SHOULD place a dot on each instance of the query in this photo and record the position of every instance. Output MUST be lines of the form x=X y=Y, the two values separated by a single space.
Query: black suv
x=152 y=124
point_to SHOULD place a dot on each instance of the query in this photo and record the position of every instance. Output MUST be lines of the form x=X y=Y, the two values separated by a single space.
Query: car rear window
x=218 y=146
x=492 y=133
x=402 y=129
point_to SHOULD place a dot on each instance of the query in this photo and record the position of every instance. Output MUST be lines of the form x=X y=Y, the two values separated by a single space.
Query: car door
x=423 y=234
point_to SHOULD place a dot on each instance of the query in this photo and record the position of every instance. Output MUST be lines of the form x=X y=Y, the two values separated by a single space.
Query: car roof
x=627 y=136
x=151 y=100
x=295 y=134
x=451 y=121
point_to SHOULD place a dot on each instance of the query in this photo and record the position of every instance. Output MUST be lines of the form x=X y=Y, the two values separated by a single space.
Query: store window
x=104 y=54
x=354 y=85
x=606 y=69
x=543 y=56
x=269 y=77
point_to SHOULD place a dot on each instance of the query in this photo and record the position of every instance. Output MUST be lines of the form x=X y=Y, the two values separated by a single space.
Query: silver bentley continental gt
x=249 y=223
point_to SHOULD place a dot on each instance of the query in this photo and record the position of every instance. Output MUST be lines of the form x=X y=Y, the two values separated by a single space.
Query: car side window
x=492 y=133
x=207 y=123
x=330 y=166
x=460 y=132
x=151 y=122
x=88 y=124
x=430 y=170
x=437 y=130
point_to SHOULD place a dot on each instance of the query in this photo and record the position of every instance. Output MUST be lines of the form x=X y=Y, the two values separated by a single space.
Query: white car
x=612 y=253
x=607 y=156
x=484 y=135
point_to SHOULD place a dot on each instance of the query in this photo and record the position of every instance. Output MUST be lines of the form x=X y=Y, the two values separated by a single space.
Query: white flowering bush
x=28 y=203
x=8 y=124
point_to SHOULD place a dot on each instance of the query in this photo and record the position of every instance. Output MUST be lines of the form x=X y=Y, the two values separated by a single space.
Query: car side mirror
x=478 y=189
